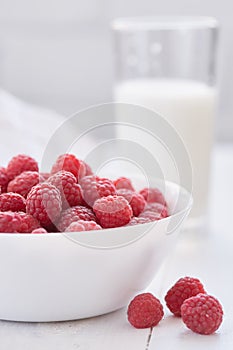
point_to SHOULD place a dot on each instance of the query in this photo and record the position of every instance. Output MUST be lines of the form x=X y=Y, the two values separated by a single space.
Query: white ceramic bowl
x=59 y=277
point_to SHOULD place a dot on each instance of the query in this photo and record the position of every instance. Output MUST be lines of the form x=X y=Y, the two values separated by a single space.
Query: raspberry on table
x=39 y=230
x=70 y=191
x=12 y=202
x=3 y=180
x=183 y=289
x=23 y=183
x=123 y=182
x=69 y=162
x=94 y=187
x=9 y=222
x=202 y=314
x=19 y=164
x=112 y=211
x=152 y=195
x=145 y=311
x=82 y=225
x=28 y=223
x=136 y=200
x=74 y=214
x=44 y=203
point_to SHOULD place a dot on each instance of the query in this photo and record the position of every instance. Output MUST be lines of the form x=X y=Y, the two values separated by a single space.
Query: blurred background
x=58 y=54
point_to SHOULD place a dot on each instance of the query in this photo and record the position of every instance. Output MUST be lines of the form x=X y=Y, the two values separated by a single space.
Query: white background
x=58 y=53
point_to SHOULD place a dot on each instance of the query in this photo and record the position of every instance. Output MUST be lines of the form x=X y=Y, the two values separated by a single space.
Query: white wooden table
x=207 y=255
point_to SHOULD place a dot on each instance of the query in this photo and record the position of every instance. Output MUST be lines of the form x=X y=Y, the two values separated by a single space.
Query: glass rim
x=144 y=23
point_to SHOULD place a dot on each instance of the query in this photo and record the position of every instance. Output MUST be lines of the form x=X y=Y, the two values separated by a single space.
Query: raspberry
x=69 y=163
x=21 y=163
x=28 y=223
x=75 y=214
x=112 y=211
x=3 y=180
x=137 y=220
x=124 y=182
x=150 y=216
x=39 y=230
x=94 y=188
x=88 y=169
x=183 y=289
x=44 y=176
x=9 y=222
x=202 y=314
x=75 y=227
x=152 y=195
x=82 y=225
x=12 y=202
x=23 y=183
x=44 y=203
x=136 y=201
x=154 y=212
x=145 y=311
x=157 y=208
x=70 y=191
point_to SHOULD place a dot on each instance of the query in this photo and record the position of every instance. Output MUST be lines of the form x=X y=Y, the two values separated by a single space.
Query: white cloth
x=24 y=128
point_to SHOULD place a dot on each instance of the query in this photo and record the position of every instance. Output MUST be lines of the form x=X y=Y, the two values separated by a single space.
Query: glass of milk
x=168 y=65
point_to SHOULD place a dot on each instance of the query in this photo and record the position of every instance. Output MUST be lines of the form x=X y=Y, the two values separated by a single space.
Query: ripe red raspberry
x=70 y=191
x=136 y=201
x=23 y=183
x=44 y=176
x=202 y=314
x=21 y=163
x=94 y=188
x=150 y=216
x=112 y=211
x=154 y=212
x=152 y=195
x=138 y=220
x=69 y=162
x=3 y=180
x=44 y=203
x=145 y=311
x=157 y=208
x=9 y=222
x=88 y=169
x=75 y=214
x=12 y=202
x=82 y=225
x=39 y=231
x=183 y=289
x=123 y=182
x=28 y=223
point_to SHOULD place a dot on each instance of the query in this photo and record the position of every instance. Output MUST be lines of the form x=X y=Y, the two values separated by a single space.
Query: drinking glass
x=168 y=64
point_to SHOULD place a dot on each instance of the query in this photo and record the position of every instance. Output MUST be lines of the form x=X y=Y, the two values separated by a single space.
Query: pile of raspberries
x=71 y=198
x=187 y=298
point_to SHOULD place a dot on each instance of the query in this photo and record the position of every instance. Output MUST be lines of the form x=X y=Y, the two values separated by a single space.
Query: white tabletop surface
x=207 y=254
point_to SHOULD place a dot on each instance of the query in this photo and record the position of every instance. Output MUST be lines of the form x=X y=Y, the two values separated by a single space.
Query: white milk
x=189 y=106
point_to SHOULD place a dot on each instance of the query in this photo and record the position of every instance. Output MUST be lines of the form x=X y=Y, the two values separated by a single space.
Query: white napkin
x=24 y=128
